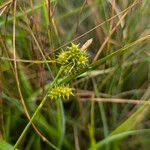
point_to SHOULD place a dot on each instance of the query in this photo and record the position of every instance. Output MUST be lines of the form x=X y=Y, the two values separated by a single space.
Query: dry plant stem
x=1 y=116
x=76 y=139
x=51 y=24
x=29 y=61
x=16 y=74
x=112 y=31
x=36 y=112
x=117 y=100
x=15 y=63
x=3 y=10
x=6 y=4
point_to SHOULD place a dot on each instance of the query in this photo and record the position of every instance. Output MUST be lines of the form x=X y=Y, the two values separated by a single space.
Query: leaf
x=120 y=136
x=5 y=146
x=133 y=120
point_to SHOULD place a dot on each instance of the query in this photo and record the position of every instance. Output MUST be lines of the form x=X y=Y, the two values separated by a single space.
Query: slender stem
x=30 y=122
x=36 y=112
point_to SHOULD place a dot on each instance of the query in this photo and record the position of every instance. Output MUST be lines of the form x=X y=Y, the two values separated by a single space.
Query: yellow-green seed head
x=63 y=57
x=60 y=91
x=73 y=59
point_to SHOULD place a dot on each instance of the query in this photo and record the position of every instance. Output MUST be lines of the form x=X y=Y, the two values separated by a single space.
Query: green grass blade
x=5 y=146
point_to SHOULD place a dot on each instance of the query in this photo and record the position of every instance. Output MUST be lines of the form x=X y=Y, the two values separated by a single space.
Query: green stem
x=30 y=122
x=36 y=112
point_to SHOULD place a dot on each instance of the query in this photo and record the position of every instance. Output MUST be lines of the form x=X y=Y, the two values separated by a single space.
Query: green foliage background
x=33 y=32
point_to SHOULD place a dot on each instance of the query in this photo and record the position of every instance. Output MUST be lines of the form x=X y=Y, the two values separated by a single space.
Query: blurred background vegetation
x=103 y=113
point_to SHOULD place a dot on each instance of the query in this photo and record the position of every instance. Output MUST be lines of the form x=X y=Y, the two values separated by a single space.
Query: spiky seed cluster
x=60 y=91
x=73 y=59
